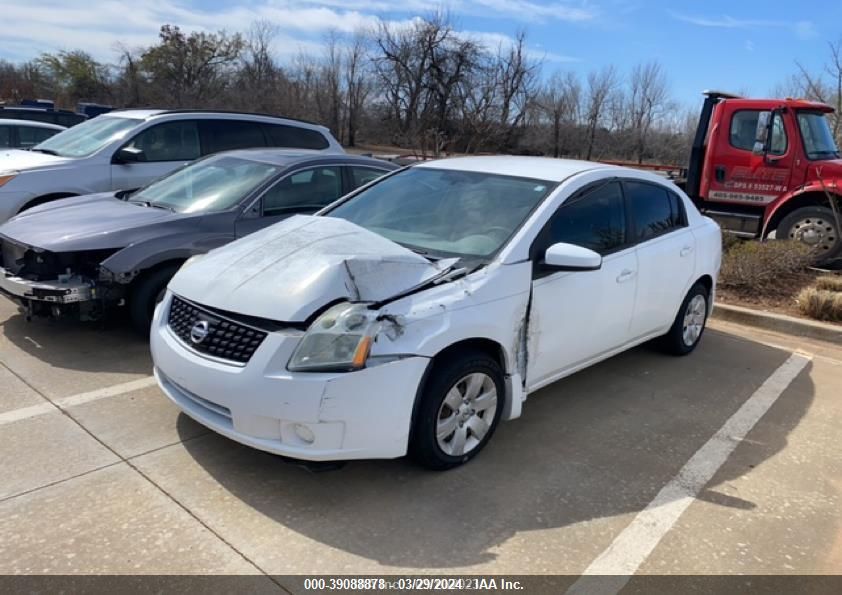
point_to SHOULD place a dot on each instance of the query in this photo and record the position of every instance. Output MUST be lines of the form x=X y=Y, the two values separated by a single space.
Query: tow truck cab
x=759 y=166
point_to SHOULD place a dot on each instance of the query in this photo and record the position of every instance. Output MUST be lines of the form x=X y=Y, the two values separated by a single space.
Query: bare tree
x=559 y=101
x=600 y=86
x=357 y=85
x=647 y=101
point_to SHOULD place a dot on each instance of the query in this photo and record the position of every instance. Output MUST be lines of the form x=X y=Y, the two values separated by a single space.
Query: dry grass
x=821 y=304
x=829 y=282
x=751 y=268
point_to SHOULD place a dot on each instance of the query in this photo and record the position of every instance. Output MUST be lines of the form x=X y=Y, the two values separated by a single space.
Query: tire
x=814 y=226
x=145 y=295
x=682 y=338
x=440 y=408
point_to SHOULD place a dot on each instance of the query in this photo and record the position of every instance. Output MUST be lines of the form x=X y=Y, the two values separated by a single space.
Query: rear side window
x=295 y=137
x=307 y=190
x=594 y=220
x=170 y=141
x=29 y=136
x=653 y=210
x=360 y=176
x=227 y=135
x=5 y=137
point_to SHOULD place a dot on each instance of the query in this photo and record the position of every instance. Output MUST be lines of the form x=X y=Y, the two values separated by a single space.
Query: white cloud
x=802 y=29
x=99 y=25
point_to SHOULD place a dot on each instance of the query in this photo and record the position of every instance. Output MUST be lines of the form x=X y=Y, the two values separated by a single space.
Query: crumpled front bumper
x=72 y=290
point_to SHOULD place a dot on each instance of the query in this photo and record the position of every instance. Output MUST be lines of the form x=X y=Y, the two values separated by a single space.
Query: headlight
x=338 y=341
x=7 y=176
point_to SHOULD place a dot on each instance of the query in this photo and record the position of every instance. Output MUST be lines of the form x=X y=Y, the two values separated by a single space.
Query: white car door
x=158 y=150
x=666 y=254
x=577 y=316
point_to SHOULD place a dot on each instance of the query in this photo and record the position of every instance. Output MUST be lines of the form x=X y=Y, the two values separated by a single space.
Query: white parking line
x=635 y=543
x=66 y=402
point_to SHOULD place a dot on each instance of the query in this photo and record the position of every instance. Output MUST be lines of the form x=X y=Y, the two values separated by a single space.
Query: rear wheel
x=814 y=227
x=459 y=410
x=148 y=291
x=689 y=323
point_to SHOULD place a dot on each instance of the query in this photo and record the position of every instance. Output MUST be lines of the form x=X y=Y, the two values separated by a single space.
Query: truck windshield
x=213 y=184
x=88 y=137
x=818 y=139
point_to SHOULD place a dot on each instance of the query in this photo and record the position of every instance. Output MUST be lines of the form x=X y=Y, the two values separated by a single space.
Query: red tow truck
x=759 y=166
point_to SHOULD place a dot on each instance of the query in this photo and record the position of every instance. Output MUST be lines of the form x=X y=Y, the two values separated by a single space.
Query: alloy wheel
x=466 y=414
x=694 y=320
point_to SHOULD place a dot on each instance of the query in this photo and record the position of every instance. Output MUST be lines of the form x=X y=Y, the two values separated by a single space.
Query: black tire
x=446 y=374
x=147 y=291
x=675 y=341
x=830 y=245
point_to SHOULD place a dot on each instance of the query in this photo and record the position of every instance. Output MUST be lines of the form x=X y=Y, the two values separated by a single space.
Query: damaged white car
x=417 y=313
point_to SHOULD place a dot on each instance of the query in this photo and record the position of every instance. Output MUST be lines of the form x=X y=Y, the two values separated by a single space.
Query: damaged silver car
x=86 y=256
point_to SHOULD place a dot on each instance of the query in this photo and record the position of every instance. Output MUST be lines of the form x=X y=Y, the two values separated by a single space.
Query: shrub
x=752 y=267
x=829 y=282
x=821 y=304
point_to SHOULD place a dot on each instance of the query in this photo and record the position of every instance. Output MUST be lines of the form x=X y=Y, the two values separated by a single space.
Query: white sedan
x=415 y=314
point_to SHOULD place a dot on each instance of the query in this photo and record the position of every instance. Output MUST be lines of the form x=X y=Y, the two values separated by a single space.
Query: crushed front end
x=55 y=284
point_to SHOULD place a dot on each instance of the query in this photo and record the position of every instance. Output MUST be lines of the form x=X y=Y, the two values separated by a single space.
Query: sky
x=741 y=46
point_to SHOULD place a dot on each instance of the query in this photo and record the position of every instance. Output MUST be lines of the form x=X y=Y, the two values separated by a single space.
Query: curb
x=781 y=323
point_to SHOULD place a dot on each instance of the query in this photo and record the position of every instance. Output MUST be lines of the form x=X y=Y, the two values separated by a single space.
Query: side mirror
x=129 y=155
x=761 y=134
x=569 y=257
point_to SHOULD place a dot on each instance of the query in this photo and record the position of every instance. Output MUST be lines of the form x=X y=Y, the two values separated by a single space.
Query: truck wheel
x=147 y=292
x=815 y=227
x=460 y=407
x=689 y=323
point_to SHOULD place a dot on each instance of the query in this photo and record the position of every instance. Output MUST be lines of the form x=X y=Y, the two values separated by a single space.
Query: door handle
x=686 y=250
x=624 y=276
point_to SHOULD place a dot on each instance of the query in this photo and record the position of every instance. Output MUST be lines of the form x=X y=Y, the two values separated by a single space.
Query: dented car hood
x=289 y=271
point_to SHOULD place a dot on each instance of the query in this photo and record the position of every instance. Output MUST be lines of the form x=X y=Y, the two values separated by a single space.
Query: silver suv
x=126 y=149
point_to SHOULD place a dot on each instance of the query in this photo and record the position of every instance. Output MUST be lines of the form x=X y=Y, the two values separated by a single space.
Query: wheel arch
x=483 y=345
x=45 y=198
x=810 y=197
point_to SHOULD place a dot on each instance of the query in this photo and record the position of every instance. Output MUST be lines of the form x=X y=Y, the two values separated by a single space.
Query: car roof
x=538 y=168
x=145 y=114
x=30 y=123
x=287 y=157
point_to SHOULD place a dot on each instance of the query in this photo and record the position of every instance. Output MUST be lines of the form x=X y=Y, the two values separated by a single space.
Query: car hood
x=92 y=222
x=289 y=271
x=17 y=160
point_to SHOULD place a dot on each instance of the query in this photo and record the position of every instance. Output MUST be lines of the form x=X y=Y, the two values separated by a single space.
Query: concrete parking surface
x=101 y=474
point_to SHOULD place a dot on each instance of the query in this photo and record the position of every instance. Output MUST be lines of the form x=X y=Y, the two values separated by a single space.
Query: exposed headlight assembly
x=338 y=341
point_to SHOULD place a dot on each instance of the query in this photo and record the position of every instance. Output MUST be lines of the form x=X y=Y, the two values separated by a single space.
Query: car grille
x=225 y=338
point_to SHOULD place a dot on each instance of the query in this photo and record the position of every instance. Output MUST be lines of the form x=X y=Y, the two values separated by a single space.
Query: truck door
x=735 y=175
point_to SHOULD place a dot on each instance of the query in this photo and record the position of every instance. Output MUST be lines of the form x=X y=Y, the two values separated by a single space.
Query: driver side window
x=305 y=191
x=171 y=141
x=595 y=220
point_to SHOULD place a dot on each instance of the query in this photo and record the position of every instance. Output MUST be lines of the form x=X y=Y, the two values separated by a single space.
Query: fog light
x=304 y=433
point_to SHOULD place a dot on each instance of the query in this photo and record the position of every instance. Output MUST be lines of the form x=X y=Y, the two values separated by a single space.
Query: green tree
x=191 y=69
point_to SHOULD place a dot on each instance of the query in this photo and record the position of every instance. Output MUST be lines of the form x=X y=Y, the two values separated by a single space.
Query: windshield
x=88 y=137
x=818 y=139
x=445 y=212
x=213 y=184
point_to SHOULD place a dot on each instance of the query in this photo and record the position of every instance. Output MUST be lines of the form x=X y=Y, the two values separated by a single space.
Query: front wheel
x=145 y=295
x=689 y=323
x=814 y=227
x=460 y=407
